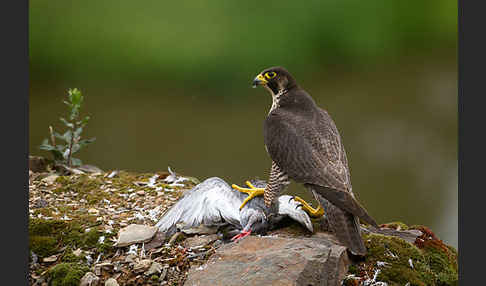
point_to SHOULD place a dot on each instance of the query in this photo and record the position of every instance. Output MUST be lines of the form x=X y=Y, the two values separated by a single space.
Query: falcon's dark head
x=276 y=79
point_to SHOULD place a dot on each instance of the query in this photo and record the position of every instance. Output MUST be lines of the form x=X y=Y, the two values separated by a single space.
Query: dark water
x=399 y=127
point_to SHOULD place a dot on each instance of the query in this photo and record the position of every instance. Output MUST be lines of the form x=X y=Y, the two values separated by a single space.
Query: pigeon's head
x=288 y=206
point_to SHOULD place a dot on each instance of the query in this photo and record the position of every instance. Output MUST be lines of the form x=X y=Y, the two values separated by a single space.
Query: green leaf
x=85 y=142
x=68 y=124
x=78 y=131
x=76 y=148
x=57 y=155
x=75 y=96
x=84 y=121
x=47 y=147
x=67 y=136
x=59 y=136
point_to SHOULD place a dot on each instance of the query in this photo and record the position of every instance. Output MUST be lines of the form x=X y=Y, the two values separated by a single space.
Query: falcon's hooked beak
x=259 y=80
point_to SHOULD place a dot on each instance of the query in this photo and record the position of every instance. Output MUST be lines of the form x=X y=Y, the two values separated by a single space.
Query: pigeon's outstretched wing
x=212 y=202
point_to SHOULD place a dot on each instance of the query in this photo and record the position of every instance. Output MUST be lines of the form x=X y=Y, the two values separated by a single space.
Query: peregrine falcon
x=305 y=146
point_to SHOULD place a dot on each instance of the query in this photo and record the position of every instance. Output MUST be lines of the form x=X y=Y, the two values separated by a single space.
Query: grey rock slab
x=154 y=268
x=111 y=282
x=89 y=279
x=142 y=265
x=274 y=261
x=200 y=240
x=135 y=233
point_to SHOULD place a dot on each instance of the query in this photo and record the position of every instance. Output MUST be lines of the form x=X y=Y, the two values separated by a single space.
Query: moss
x=396 y=225
x=43 y=246
x=441 y=258
x=90 y=238
x=66 y=274
x=45 y=227
x=69 y=256
x=154 y=278
x=433 y=263
x=353 y=269
x=47 y=236
x=396 y=252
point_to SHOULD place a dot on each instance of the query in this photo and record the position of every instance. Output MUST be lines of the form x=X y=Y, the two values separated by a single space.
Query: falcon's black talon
x=291 y=198
x=299 y=205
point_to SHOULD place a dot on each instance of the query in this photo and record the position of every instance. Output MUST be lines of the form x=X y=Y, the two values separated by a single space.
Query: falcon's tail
x=345 y=226
x=345 y=201
x=347 y=229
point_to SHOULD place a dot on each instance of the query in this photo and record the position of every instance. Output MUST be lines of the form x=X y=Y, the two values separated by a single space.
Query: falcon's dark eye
x=270 y=75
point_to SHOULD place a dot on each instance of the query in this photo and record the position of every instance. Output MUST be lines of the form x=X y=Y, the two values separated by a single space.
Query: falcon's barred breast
x=305 y=146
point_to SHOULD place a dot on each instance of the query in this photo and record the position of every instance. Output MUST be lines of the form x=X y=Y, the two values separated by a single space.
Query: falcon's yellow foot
x=252 y=192
x=314 y=213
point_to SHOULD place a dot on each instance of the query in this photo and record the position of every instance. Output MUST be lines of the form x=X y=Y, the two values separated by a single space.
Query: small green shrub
x=62 y=153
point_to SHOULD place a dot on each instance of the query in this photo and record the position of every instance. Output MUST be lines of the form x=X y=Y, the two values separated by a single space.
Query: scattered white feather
x=142 y=251
x=410 y=263
x=173 y=179
x=152 y=181
x=389 y=253
x=112 y=174
x=381 y=263
x=98 y=259
x=65 y=217
x=373 y=282
x=101 y=239
x=133 y=249
x=138 y=216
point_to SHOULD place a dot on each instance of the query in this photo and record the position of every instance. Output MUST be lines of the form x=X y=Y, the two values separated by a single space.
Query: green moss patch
x=47 y=237
x=427 y=262
x=66 y=274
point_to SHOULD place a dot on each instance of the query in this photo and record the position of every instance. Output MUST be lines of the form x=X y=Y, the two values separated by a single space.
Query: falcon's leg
x=252 y=192
x=312 y=212
x=277 y=181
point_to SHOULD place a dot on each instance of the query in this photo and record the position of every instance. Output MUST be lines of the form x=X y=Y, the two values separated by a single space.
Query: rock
x=141 y=193
x=89 y=279
x=157 y=241
x=135 y=233
x=154 y=268
x=50 y=179
x=111 y=282
x=38 y=164
x=130 y=258
x=274 y=261
x=78 y=252
x=142 y=265
x=199 y=240
x=40 y=203
x=93 y=211
x=50 y=259
x=90 y=169
x=407 y=235
x=201 y=229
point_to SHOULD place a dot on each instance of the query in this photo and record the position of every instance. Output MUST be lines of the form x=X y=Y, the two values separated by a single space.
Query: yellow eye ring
x=270 y=75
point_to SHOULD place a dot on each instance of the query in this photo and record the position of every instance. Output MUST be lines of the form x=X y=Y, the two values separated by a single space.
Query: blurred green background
x=168 y=84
